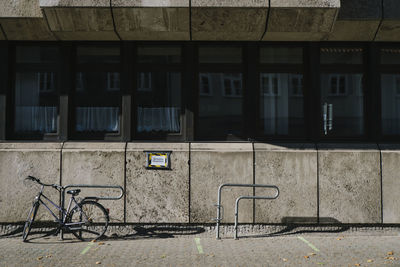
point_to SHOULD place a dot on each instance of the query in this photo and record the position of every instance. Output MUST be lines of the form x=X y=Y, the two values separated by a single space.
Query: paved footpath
x=297 y=248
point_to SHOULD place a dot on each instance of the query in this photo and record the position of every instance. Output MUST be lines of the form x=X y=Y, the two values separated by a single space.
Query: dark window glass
x=390 y=95
x=281 y=103
x=341 y=55
x=159 y=102
x=281 y=55
x=97 y=90
x=159 y=54
x=220 y=111
x=36 y=93
x=218 y=54
x=344 y=93
x=101 y=55
x=390 y=56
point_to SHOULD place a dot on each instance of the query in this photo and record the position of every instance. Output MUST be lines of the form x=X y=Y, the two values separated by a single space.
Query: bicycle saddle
x=74 y=192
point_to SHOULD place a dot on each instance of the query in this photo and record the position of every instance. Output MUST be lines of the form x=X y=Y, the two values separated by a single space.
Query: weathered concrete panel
x=349 y=183
x=74 y=3
x=20 y=8
x=96 y=164
x=293 y=168
x=213 y=164
x=390 y=27
x=152 y=23
x=228 y=23
x=81 y=23
x=354 y=30
x=26 y=29
x=151 y=3
x=301 y=24
x=17 y=161
x=155 y=196
x=391 y=183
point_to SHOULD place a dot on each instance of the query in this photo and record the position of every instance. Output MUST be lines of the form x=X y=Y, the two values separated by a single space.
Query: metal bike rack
x=219 y=218
x=64 y=189
x=248 y=197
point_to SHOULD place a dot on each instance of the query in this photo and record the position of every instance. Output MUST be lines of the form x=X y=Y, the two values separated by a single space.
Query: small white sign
x=159 y=160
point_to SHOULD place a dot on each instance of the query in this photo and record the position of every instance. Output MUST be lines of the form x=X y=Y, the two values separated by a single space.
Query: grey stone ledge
x=306 y=3
x=94 y=146
x=150 y=3
x=295 y=147
x=74 y=3
x=157 y=146
x=348 y=147
x=229 y=3
x=221 y=147
x=30 y=146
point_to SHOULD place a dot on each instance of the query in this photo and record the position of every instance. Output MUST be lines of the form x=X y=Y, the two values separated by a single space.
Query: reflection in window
x=220 y=54
x=221 y=116
x=113 y=81
x=348 y=109
x=232 y=85
x=390 y=95
x=280 y=113
x=159 y=104
x=341 y=55
x=281 y=55
x=205 y=87
x=36 y=94
x=390 y=56
x=337 y=85
x=159 y=54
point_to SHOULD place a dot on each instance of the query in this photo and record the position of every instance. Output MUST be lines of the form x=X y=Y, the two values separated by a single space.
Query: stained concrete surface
x=74 y=3
x=81 y=23
x=213 y=164
x=20 y=8
x=17 y=161
x=96 y=164
x=349 y=182
x=23 y=29
x=152 y=23
x=155 y=196
x=390 y=183
x=293 y=168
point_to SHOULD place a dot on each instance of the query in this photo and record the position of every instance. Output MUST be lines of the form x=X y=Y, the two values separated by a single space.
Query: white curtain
x=164 y=119
x=97 y=119
x=35 y=119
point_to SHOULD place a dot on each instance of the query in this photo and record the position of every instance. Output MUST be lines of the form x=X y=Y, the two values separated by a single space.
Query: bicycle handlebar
x=55 y=186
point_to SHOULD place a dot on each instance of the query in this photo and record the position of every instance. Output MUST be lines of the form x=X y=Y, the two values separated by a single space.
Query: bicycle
x=87 y=220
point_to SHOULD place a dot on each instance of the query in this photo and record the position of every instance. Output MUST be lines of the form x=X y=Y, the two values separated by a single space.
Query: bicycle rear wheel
x=29 y=221
x=88 y=221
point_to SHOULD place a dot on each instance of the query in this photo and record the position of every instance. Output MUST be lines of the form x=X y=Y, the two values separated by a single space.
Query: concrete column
x=155 y=196
x=17 y=161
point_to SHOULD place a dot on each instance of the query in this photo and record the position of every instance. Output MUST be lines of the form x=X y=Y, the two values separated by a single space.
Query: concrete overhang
x=301 y=20
x=389 y=29
x=220 y=20
x=152 y=19
x=23 y=20
x=80 y=19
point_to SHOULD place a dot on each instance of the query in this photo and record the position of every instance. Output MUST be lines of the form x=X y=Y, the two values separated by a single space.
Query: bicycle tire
x=29 y=221
x=93 y=219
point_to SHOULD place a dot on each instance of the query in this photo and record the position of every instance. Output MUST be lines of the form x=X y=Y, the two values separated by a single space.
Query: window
x=281 y=98
x=97 y=96
x=36 y=93
x=220 y=97
x=159 y=88
x=338 y=85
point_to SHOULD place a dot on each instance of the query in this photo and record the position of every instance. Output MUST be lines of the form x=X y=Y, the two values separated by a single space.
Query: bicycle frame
x=64 y=212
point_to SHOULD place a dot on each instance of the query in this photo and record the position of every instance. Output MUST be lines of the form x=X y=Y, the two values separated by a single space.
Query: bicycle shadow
x=162 y=232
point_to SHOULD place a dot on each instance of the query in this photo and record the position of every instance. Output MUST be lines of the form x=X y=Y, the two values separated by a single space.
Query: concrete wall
x=330 y=183
x=96 y=164
x=213 y=164
x=293 y=168
x=350 y=183
x=155 y=196
x=17 y=161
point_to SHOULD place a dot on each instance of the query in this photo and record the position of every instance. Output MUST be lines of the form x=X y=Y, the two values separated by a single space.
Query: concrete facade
x=390 y=183
x=293 y=168
x=289 y=20
x=213 y=164
x=17 y=161
x=96 y=164
x=155 y=196
x=349 y=183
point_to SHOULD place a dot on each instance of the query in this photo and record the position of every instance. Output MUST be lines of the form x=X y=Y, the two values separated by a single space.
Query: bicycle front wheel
x=88 y=221
x=29 y=221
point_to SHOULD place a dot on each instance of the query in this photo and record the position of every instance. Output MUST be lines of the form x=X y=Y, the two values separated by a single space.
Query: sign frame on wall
x=158 y=160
